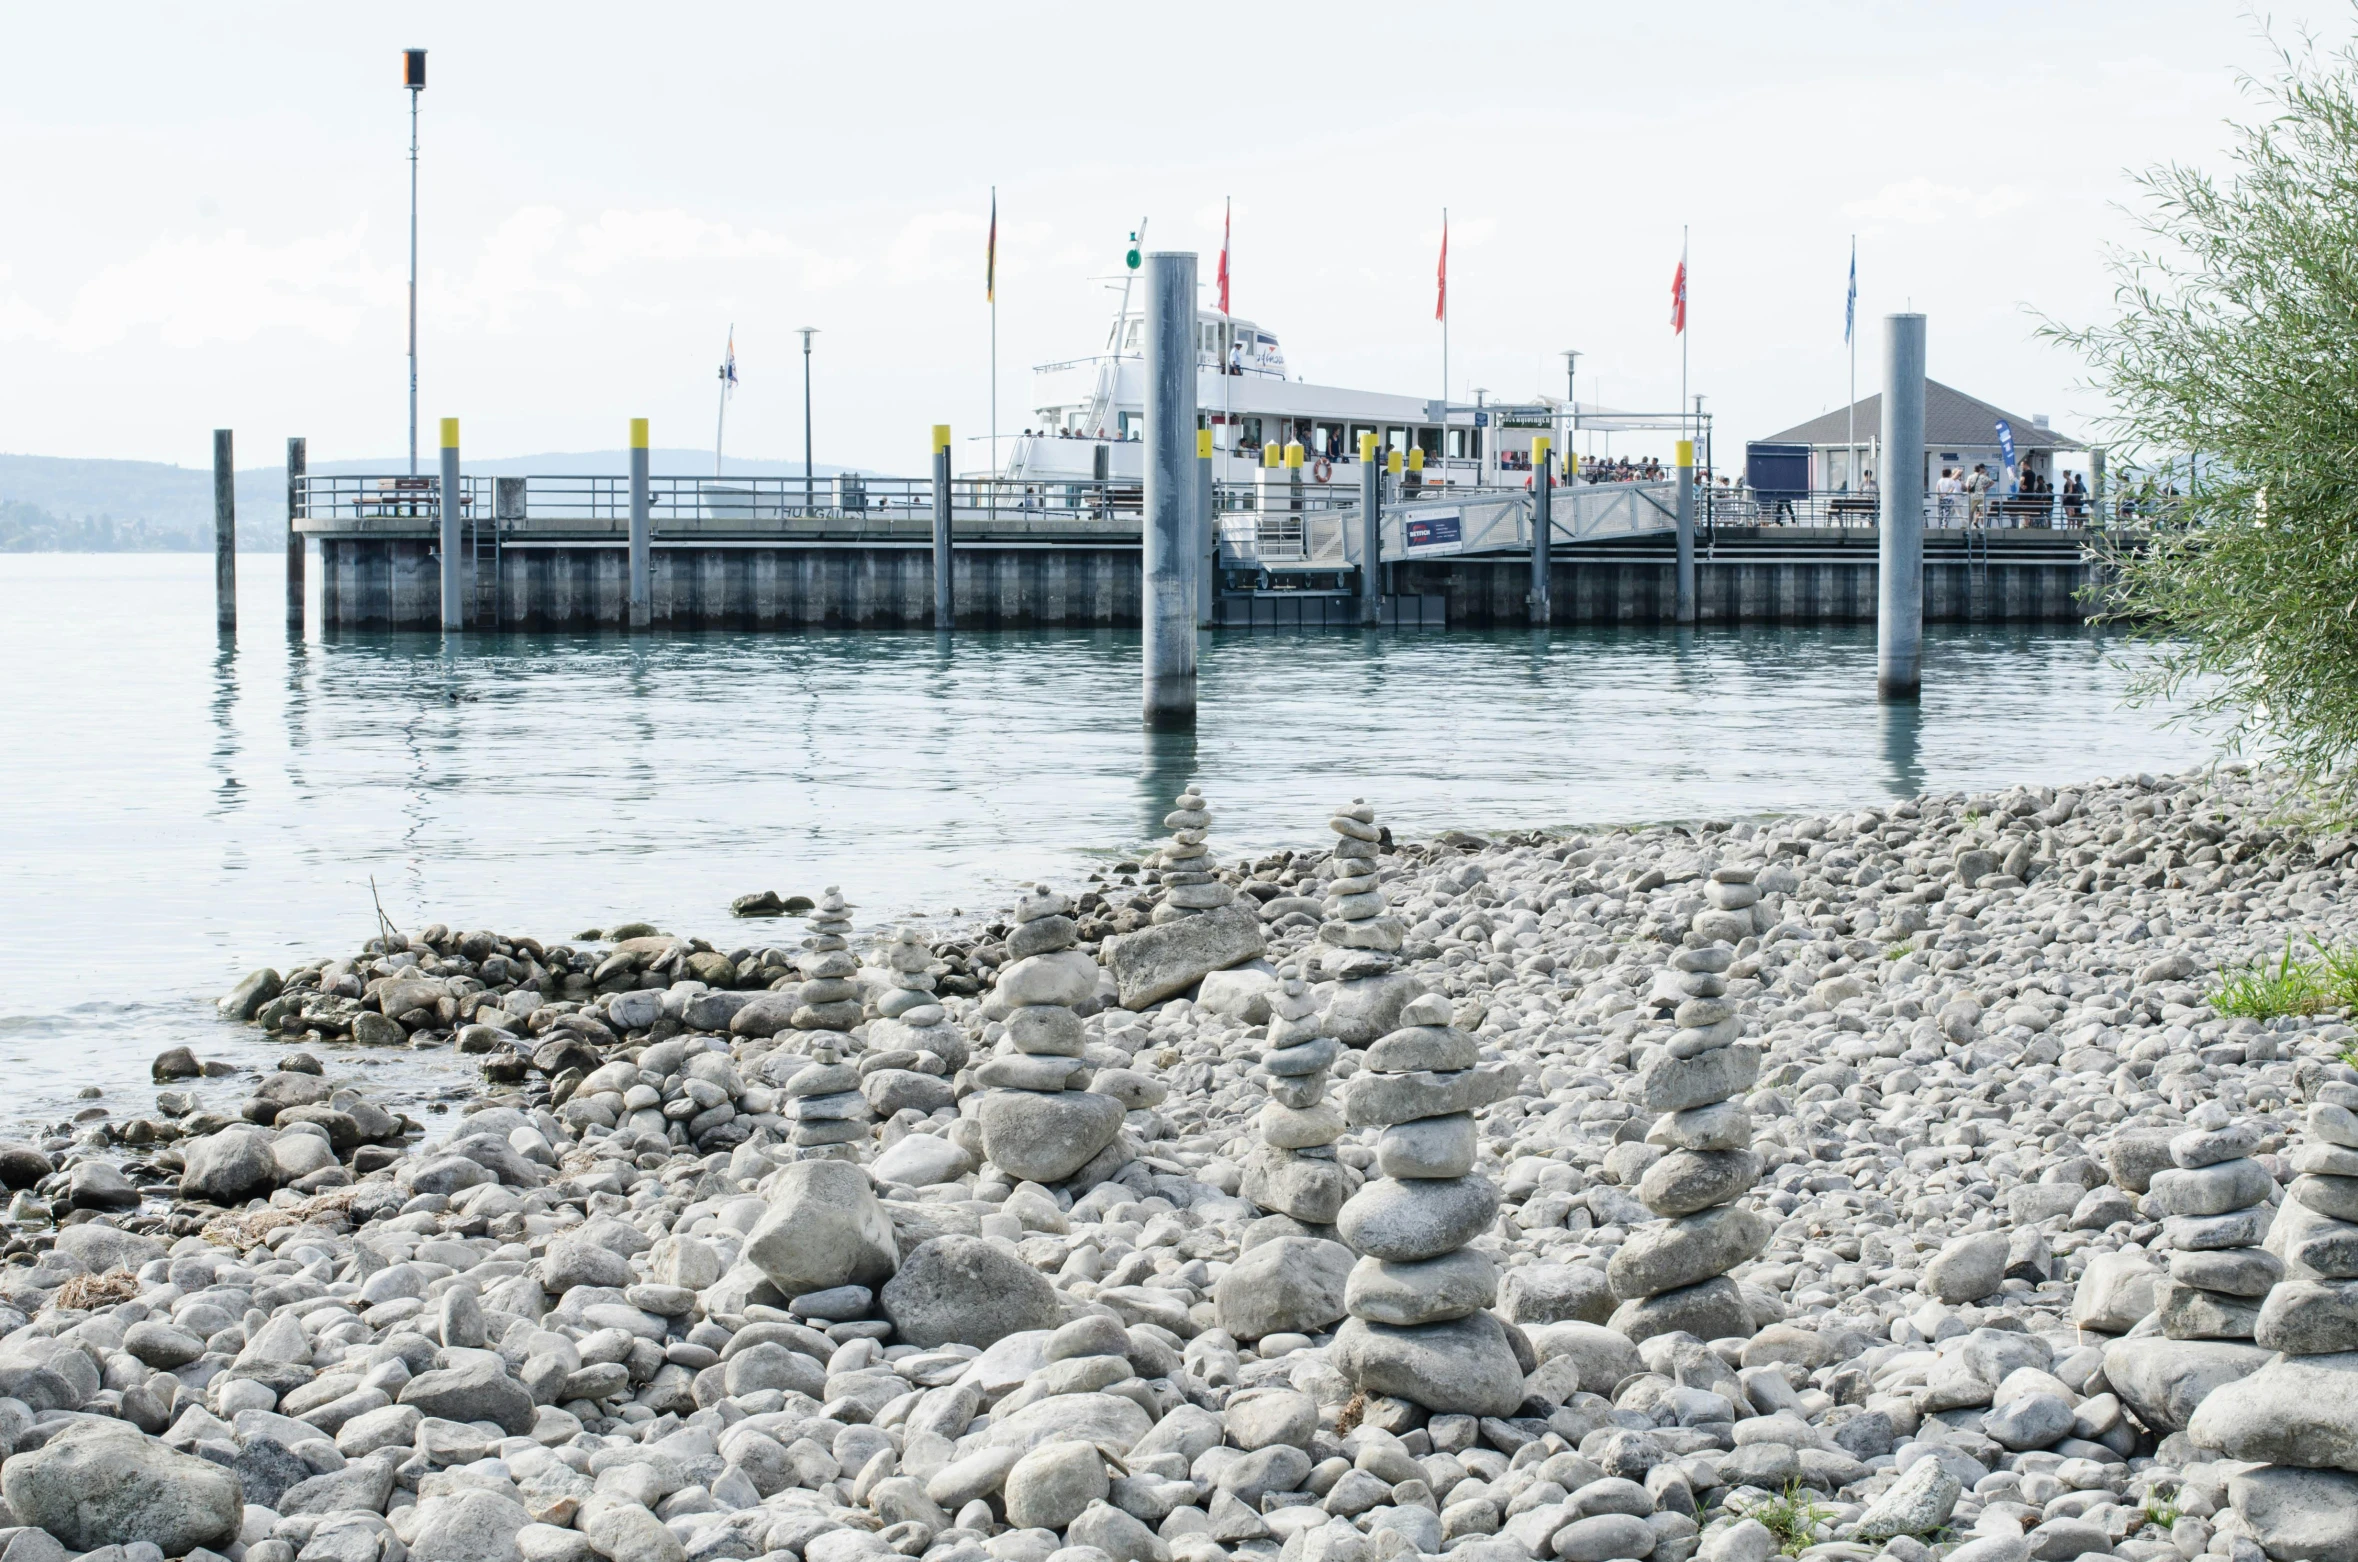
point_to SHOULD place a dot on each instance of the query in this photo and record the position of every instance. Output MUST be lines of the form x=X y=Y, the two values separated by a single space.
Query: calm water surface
x=178 y=810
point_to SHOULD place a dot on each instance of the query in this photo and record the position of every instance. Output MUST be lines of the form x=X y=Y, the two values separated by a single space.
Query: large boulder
x=100 y=1484
x=474 y=1386
x=228 y=1167
x=1290 y=1285
x=2312 y=1514
x=1166 y=959
x=825 y=1227
x=1466 y=1366
x=965 y=1291
x=2163 y=1380
x=2297 y=1410
x=1047 y=1135
x=2115 y=1290
x=245 y=1000
x=466 y=1526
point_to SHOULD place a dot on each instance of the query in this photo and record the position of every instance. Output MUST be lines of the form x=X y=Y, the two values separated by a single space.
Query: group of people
x=1958 y=491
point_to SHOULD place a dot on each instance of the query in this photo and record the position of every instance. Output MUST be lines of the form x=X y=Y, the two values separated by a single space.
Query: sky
x=208 y=206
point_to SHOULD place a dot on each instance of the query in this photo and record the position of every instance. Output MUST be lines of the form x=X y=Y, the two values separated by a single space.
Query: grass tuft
x=2265 y=991
x=1793 y=1518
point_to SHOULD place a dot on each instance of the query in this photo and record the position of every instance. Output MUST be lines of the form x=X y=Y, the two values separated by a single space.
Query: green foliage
x=2236 y=337
x=2261 y=991
x=1793 y=1517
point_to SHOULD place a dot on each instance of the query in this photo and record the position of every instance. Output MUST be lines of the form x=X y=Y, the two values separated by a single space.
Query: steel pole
x=944 y=563
x=1899 y=599
x=2096 y=486
x=642 y=539
x=1166 y=610
x=296 y=467
x=1371 y=534
x=1686 y=531
x=1207 y=544
x=224 y=533
x=446 y=505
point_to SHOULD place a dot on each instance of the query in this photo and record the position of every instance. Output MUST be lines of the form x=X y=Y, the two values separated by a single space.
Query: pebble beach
x=1897 y=1183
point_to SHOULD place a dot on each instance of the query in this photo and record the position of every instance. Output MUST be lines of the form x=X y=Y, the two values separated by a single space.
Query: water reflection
x=1901 y=723
x=1171 y=763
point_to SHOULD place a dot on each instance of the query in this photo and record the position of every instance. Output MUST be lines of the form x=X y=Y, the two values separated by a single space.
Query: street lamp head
x=807 y=332
x=413 y=69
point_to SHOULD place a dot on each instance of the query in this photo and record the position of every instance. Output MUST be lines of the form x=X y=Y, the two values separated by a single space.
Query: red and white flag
x=1678 y=297
x=1224 y=220
x=1441 y=275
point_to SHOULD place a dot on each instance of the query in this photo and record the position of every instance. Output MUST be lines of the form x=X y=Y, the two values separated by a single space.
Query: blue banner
x=2005 y=442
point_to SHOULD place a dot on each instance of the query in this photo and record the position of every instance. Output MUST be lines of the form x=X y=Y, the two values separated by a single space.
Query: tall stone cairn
x=1295 y=1171
x=1190 y=874
x=1038 y=1123
x=831 y=1118
x=1419 y=1328
x=1674 y=1276
x=1358 y=920
x=2294 y=1416
x=830 y=999
x=2213 y=1206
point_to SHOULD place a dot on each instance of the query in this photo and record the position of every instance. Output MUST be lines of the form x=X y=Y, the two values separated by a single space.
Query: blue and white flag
x=2005 y=442
x=1850 y=307
x=728 y=373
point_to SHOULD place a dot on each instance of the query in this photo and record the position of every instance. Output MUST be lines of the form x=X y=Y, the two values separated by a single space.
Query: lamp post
x=808 y=331
x=1571 y=356
x=413 y=76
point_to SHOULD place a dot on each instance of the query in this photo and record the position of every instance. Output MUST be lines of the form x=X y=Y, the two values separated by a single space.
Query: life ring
x=1321 y=470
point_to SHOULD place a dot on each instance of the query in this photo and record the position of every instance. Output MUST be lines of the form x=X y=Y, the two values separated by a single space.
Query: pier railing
x=2056 y=511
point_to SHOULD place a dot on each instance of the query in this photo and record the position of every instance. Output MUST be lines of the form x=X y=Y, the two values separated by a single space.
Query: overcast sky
x=208 y=206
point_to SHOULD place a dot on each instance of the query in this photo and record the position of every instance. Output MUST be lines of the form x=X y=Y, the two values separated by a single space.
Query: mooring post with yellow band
x=1208 y=533
x=1686 y=531
x=450 y=502
x=642 y=541
x=1543 y=527
x=944 y=597
x=1371 y=534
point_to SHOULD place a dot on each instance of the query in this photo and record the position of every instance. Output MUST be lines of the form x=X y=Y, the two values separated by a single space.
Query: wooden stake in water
x=296 y=467
x=224 y=534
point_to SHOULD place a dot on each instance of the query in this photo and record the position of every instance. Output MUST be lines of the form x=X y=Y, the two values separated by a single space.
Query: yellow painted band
x=1271 y=455
x=941 y=436
x=1203 y=444
x=1293 y=455
x=450 y=433
x=638 y=433
x=1686 y=452
x=1539 y=447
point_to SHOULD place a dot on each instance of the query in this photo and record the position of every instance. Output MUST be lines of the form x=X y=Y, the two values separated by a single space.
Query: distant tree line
x=28 y=528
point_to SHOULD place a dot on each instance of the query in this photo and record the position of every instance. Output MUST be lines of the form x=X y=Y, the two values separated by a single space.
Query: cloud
x=193 y=291
x=668 y=236
x=1920 y=202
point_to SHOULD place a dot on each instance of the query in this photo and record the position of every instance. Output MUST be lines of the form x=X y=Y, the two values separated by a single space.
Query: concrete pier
x=224 y=533
x=297 y=465
x=1167 y=624
x=1899 y=614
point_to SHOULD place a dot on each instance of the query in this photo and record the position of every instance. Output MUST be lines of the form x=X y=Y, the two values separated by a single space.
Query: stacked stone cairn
x=1295 y=1172
x=1357 y=908
x=907 y=1016
x=2294 y=1418
x=831 y=1118
x=1729 y=896
x=1190 y=874
x=1674 y=1276
x=1418 y=1297
x=1040 y=1122
x=2213 y=1206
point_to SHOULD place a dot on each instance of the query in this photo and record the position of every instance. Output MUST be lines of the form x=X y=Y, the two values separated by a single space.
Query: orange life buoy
x=1321 y=469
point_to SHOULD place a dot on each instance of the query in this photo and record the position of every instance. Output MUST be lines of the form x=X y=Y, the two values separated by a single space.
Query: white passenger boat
x=1088 y=416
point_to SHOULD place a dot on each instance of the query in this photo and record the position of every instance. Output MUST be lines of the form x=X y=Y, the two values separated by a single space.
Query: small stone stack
x=1356 y=906
x=1040 y=1123
x=1417 y=1297
x=907 y=1016
x=830 y=999
x=822 y=1100
x=2213 y=1206
x=1674 y=1276
x=2293 y=1416
x=1190 y=874
x=1295 y=1171
x=1728 y=898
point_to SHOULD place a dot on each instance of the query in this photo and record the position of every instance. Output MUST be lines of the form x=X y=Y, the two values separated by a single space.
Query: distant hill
x=54 y=504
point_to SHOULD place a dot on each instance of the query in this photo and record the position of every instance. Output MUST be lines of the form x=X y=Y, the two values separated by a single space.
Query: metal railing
x=1733 y=506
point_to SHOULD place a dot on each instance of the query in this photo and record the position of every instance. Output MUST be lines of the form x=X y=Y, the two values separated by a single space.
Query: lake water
x=179 y=810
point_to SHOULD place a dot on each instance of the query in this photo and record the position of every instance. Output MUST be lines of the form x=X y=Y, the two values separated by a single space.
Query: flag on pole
x=991 y=254
x=1678 y=297
x=1850 y=307
x=1224 y=221
x=728 y=372
x=1441 y=276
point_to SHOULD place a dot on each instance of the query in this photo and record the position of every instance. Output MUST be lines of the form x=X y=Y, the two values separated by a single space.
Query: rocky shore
x=1882 y=1185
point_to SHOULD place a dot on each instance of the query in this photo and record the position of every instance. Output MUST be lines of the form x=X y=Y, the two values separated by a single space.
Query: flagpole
x=994 y=351
x=721 y=428
x=1850 y=331
x=1445 y=343
x=1686 y=292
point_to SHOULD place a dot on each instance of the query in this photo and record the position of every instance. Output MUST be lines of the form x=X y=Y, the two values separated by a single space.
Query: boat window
x=1252 y=432
x=1395 y=439
x=1130 y=337
x=1428 y=440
